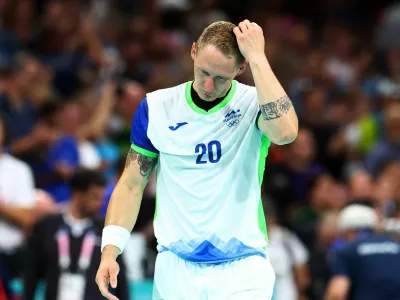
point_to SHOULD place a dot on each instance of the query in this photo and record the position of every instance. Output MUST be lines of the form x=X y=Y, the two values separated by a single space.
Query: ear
x=242 y=68
x=193 y=51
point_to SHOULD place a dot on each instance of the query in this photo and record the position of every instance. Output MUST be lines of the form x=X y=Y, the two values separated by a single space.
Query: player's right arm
x=124 y=205
x=123 y=211
x=126 y=198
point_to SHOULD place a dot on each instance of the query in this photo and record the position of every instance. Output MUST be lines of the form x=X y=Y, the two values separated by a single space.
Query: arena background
x=339 y=60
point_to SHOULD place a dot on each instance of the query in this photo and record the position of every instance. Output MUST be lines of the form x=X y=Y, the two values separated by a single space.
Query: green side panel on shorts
x=144 y=151
x=214 y=109
x=265 y=143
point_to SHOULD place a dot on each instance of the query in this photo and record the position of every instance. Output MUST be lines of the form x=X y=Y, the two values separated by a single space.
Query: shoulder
x=167 y=94
x=357 y=246
x=244 y=90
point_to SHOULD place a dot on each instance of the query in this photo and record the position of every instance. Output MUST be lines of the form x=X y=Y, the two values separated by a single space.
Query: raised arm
x=278 y=120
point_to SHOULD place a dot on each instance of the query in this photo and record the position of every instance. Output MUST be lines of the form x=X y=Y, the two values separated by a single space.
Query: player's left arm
x=278 y=120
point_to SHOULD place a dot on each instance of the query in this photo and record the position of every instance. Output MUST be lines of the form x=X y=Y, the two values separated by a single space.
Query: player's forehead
x=212 y=60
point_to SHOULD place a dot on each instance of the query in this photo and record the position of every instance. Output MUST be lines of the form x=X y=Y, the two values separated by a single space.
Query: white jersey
x=209 y=172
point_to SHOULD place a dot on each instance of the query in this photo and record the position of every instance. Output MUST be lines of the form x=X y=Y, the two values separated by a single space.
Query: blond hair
x=220 y=34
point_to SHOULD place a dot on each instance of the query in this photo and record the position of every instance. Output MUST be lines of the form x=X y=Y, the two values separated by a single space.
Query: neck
x=75 y=211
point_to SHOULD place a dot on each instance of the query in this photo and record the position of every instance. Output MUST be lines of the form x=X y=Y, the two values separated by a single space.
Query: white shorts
x=250 y=278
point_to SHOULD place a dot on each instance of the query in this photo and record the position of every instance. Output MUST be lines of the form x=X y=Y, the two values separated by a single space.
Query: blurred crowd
x=72 y=74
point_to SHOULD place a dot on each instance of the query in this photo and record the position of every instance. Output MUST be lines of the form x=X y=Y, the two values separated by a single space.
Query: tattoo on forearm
x=146 y=164
x=276 y=109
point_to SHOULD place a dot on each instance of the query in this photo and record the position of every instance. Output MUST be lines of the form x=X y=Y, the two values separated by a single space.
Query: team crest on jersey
x=232 y=118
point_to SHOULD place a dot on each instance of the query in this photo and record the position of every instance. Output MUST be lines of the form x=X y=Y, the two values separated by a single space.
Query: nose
x=209 y=85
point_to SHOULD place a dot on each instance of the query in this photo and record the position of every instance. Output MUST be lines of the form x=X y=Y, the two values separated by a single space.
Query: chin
x=208 y=98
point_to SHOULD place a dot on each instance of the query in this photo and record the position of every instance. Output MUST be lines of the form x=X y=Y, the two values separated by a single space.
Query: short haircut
x=220 y=34
x=84 y=178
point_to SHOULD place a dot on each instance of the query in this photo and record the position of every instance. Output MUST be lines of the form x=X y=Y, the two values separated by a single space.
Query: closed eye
x=220 y=78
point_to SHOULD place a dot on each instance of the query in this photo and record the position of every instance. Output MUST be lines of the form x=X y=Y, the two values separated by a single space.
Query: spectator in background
x=64 y=248
x=361 y=186
x=23 y=138
x=73 y=148
x=289 y=258
x=367 y=267
x=16 y=209
x=289 y=180
x=67 y=41
x=305 y=221
x=326 y=233
x=128 y=94
x=62 y=157
x=388 y=149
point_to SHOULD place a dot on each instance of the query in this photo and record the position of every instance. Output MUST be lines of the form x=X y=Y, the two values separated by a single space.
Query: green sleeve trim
x=197 y=109
x=258 y=121
x=144 y=151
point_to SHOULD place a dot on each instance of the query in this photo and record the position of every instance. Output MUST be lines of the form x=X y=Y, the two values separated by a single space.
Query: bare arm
x=302 y=276
x=338 y=288
x=279 y=120
x=23 y=145
x=124 y=205
x=97 y=123
x=19 y=216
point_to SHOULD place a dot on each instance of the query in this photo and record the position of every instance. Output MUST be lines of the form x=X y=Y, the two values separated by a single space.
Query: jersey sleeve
x=139 y=139
x=340 y=263
x=258 y=119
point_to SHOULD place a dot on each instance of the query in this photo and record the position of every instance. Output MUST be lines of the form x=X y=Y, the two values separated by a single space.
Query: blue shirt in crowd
x=63 y=151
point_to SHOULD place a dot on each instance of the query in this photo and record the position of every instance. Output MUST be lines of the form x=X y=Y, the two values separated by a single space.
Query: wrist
x=116 y=236
x=110 y=252
x=258 y=59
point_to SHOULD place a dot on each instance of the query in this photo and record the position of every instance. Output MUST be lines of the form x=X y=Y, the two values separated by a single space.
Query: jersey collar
x=197 y=109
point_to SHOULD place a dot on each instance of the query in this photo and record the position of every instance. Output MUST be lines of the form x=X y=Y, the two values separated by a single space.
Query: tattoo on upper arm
x=276 y=109
x=146 y=163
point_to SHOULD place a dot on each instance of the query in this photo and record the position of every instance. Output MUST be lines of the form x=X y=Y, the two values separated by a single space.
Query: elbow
x=282 y=133
x=286 y=137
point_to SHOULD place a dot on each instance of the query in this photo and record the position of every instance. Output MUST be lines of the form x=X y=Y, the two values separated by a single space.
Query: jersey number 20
x=213 y=149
